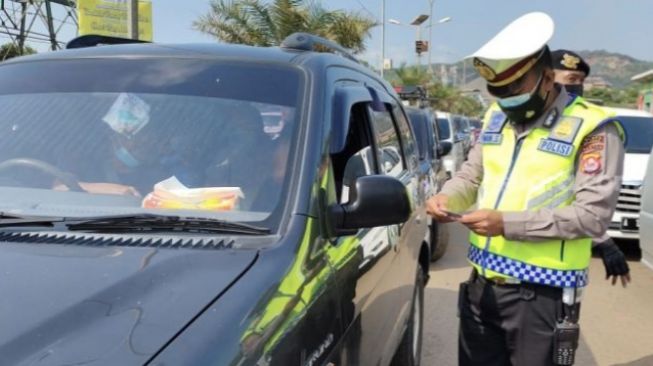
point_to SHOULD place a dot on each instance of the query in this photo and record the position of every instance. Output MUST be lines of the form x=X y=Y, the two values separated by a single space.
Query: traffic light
x=421 y=46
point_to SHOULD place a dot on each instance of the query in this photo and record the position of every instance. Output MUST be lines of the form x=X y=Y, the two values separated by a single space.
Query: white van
x=639 y=139
x=453 y=134
x=646 y=217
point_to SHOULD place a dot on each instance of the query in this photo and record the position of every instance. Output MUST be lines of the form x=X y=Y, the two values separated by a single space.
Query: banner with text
x=110 y=18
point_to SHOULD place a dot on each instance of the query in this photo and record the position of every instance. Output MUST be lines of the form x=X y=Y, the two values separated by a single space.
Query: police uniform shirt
x=596 y=188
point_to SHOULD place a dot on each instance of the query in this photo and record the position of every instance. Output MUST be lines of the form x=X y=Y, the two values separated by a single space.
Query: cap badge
x=484 y=70
x=569 y=61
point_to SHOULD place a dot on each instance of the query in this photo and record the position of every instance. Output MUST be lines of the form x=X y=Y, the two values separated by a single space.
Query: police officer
x=570 y=71
x=545 y=178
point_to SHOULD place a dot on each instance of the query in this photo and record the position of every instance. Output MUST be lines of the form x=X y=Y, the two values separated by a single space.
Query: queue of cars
x=285 y=224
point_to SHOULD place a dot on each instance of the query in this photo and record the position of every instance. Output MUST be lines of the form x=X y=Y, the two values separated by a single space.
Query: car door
x=361 y=259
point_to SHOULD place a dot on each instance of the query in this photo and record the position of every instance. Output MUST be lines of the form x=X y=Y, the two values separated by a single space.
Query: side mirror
x=374 y=200
x=444 y=148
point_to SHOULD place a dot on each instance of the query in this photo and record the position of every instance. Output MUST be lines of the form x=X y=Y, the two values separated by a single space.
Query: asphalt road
x=616 y=323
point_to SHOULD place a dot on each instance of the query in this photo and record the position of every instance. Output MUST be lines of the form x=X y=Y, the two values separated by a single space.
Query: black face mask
x=525 y=107
x=575 y=89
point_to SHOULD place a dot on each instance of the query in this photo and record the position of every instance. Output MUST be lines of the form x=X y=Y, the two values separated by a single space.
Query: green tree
x=624 y=98
x=11 y=50
x=441 y=97
x=268 y=23
x=411 y=75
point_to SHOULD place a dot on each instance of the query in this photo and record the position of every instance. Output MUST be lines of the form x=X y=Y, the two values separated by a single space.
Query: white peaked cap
x=514 y=50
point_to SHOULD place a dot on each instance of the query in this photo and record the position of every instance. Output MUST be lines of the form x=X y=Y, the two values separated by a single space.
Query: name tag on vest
x=555 y=147
x=491 y=138
x=497 y=120
x=566 y=129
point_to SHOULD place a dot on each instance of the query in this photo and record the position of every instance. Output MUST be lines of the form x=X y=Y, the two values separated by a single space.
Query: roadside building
x=645 y=82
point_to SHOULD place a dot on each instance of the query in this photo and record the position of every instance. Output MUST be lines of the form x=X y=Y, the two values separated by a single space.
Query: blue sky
x=613 y=25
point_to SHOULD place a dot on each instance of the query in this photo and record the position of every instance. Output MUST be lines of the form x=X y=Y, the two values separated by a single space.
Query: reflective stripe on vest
x=529 y=174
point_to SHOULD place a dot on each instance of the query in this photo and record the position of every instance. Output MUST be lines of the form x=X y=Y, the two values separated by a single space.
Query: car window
x=407 y=139
x=419 y=123
x=147 y=136
x=444 y=129
x=639 y=133
x=357 y=159
x=387 y=140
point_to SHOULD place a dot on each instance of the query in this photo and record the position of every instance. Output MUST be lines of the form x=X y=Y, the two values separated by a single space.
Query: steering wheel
x=66 y=178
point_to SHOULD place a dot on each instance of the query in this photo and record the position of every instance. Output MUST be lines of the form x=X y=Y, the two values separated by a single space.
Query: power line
x=366 y=9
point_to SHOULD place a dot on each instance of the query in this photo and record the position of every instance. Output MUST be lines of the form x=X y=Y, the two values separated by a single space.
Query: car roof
x=216 y=51
x=630 y=112
x=197 y=50
x=207 y=50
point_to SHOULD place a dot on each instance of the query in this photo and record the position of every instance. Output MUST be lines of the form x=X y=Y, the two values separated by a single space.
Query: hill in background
x=615 y=68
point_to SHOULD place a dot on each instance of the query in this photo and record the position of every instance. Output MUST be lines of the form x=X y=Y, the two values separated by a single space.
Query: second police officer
x=571 y=71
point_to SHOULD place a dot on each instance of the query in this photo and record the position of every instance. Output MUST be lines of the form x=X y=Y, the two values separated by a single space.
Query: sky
x=622 y=26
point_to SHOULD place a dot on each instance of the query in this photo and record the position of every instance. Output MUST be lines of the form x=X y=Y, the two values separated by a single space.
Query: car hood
x=635 y=167
x=76 y=305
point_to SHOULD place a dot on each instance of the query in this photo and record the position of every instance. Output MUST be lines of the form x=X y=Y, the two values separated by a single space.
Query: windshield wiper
x=154 y=223
x=7 y=220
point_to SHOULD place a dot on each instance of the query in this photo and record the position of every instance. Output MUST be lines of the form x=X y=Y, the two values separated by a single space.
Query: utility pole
x=382 y=38
x=133 y=18
x=430 y=34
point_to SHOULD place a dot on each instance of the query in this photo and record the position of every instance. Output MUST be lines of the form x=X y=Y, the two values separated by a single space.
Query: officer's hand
x=615 y=263
x=484 y=222
x=435 y=207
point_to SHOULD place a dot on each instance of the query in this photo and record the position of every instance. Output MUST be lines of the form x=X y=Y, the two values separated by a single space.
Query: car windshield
x=443 y=128
x=639 y=133
x=165 y=136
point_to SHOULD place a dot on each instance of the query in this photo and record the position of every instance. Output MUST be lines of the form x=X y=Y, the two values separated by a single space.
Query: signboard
x=421 y=46
x=387 y=64
x=110 y=18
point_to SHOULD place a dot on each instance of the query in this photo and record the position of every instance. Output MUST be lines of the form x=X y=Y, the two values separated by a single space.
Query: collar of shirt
x=560 y=104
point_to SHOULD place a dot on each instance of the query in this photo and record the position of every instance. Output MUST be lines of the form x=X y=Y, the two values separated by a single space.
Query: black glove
x=614 y=259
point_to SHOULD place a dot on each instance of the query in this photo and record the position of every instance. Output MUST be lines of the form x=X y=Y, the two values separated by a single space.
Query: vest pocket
x=562 y=251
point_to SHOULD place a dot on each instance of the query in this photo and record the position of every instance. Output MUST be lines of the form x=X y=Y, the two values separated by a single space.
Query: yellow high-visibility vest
x=533 y=173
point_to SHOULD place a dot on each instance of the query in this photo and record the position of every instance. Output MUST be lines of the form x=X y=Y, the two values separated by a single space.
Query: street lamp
x=417 y=22
x=382 y=38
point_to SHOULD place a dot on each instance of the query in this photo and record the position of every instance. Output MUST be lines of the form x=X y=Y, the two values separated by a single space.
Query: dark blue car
x=149 y=218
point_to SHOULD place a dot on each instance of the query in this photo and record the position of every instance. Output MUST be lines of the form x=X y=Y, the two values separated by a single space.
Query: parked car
x=646 y=217
x=476 y=127
x=450 y=132
x=148 y=218
x=431 y=151
x=464 y=133
x=638 y=126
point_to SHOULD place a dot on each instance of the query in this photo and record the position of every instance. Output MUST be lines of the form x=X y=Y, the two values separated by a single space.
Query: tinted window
x=444 y=128
x=407 y=138
x=387 y=141
x=639 y=133
x=476 y=123
x=419 y=123
x=139 y=136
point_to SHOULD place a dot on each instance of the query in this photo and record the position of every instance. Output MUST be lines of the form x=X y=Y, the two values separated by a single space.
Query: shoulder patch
x=590 y=164
x=555 y=147
x=497 y=121
x=566 y=129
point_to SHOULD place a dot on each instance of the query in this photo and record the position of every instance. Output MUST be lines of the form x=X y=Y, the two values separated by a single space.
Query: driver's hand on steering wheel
x=103 y=188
